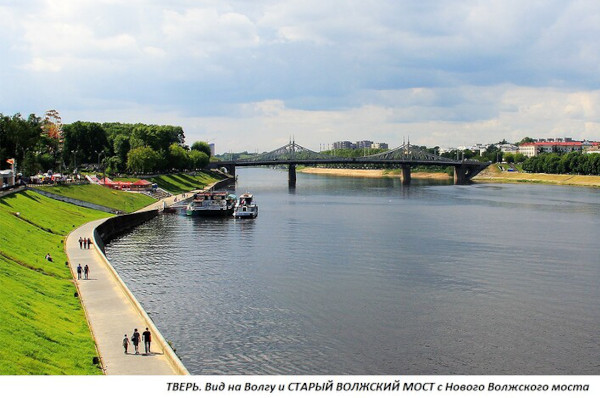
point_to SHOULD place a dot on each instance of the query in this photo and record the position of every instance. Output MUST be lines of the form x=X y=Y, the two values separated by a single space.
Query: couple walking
x=135 y=340
x=86 y=271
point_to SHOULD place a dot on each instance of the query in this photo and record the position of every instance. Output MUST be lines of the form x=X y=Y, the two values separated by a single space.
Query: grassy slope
x=125 y=201
x=42 y=325
x=494 y=174
x=179 y=183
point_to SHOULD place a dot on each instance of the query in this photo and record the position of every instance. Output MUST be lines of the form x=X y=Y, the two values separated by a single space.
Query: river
x=366 y=276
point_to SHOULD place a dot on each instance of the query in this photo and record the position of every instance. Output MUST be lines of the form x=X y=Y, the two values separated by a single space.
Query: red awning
x=141 y=183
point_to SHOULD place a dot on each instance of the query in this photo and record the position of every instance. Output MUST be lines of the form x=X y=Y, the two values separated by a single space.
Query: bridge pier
x=460 y=175
x=292 y=175
x=406 y=175
x=231 y=169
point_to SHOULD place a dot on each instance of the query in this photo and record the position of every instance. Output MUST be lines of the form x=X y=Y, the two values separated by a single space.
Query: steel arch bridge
x=404 y=157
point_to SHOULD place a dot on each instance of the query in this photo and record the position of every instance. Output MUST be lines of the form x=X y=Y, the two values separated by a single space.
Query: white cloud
x=204 y=31
x=445 y=73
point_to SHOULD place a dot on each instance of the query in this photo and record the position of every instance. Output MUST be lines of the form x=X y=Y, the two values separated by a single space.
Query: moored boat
x=211 y=204
x=246 y=207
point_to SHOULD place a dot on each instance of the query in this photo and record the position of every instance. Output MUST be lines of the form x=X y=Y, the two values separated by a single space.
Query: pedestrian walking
x=79 y=271
x=89 y=242
x=86 y=271
x=80 y=242
x=125 y=343
x=147 y=339
x=135 y=339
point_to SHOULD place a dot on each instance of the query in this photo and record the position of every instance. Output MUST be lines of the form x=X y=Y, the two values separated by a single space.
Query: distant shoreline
x=372 y=173
x=494 y=175
x=489 y=175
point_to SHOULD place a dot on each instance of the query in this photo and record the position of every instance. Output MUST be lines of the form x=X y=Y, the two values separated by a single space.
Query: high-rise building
x=363 y=144
x=343 y=145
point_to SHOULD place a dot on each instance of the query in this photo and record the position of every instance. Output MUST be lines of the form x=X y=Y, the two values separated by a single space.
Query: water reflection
x=360 y=276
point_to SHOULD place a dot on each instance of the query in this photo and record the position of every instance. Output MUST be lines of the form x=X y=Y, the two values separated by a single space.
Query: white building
x=7 y=177
x=554 y=146
x=508 y=148
x=380 y=145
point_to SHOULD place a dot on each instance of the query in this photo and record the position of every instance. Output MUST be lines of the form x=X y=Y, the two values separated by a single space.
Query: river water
x=365 y=276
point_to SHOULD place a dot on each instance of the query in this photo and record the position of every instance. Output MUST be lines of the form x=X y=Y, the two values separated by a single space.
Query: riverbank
x=495 y=175
x=44 y=326
x=112 y=310
x=106 y=298
x=373 y=173
x=492 y=174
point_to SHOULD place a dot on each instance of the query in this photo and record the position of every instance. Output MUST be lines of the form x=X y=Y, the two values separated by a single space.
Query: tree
x=30 y=164
x=553 y=164
x=156 y=137
x=526 y=140
x=121 y=147
x=509 y=157
x=520 y=158
x=19 y=136
x=113 y=165
x=492 y=153
x=198 y=159
x=202 y=147
x=178 y=157
x=143 y=159
x=83 y=141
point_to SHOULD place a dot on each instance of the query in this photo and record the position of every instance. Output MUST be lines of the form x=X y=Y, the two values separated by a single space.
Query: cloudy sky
x=247 y=75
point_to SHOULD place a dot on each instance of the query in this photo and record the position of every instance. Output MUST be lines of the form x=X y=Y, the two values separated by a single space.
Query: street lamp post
x=74 y=160
x=99 y=154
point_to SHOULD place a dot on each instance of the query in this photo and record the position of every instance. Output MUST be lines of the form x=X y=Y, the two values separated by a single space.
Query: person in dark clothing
x=80 y=242
x=79 y=271
x=125 y=343
x=89 y=242
x=86 y=271
x=147 y=339
x=135 y=339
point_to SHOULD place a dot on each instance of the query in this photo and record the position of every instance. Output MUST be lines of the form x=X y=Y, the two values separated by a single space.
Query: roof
x=141 y=182
x=552 y=143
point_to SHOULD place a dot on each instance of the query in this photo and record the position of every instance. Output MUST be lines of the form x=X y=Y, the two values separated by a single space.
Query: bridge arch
x=404 y=157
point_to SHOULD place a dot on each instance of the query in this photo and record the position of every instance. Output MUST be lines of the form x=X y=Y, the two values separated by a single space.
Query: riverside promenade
x=112 y=311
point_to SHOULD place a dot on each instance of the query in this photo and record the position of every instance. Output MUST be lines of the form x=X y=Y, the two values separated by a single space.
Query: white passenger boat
x=245 y=207
x=211 y=204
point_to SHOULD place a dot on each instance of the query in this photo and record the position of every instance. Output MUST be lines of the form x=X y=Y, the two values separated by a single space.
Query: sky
x=251 y=75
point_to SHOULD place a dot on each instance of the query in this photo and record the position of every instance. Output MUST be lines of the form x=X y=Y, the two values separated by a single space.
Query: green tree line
x=568 y=163
x=115 y=147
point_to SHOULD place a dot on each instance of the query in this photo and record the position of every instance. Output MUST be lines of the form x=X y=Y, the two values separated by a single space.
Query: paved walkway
x=112 y=311
x=170 y=200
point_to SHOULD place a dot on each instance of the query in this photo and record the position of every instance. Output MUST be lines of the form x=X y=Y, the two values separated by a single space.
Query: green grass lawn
x=179 y=183
x=43 y=329
x=119 y=200
x=126 y=179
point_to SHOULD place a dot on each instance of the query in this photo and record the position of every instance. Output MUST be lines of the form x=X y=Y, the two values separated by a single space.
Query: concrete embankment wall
x=10 y=191
x=110 y=229
x=116 y=226
x=221 y=184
